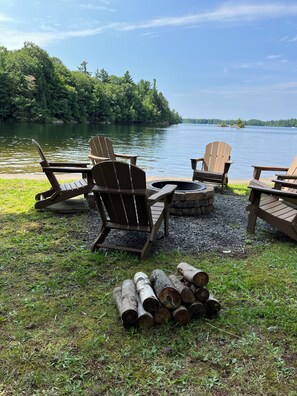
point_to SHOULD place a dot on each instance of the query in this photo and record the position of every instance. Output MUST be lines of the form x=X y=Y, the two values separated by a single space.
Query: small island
x=239 y=124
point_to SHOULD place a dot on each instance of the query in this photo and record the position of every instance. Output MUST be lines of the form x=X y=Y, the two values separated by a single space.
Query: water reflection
x=162 y=151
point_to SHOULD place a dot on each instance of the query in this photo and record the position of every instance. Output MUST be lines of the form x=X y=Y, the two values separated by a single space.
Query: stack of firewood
x=145 y=301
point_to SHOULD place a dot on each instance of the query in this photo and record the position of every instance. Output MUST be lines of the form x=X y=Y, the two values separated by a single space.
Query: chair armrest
x=66 y=169
x=167 y=190
x=264 y=189
x=227 y=165
x=70 y=164
x=133 y=158
x=258 y=169
x=283 y=183
x=96 y=158
x=291 y=177
x=194 y=162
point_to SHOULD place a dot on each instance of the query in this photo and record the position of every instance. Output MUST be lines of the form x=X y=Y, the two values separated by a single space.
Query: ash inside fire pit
x=189 y=199
x=181 y=185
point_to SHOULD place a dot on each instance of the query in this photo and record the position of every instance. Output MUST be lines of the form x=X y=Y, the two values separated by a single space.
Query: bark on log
x=185 y=291
x=194 y=275
x=117 y=295
x=129 y=304
x=212 y=306
x=146 y=293
x=197 y=310
x=145 y=319
x=181 y=315
x=164 y=289
x=162 y=315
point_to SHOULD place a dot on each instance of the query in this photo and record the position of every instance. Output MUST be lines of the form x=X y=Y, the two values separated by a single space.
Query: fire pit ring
x=189 y=199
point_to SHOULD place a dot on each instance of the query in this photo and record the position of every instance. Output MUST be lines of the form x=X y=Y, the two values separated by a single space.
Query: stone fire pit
x=189 y=199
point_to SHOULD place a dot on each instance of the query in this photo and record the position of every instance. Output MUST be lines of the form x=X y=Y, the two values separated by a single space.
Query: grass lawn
x=59 y=328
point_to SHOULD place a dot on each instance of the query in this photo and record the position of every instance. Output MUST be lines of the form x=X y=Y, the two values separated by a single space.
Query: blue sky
x=211 y=59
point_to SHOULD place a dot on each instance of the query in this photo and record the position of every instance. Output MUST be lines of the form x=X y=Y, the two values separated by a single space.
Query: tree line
x=39 y=88
x=292 y=122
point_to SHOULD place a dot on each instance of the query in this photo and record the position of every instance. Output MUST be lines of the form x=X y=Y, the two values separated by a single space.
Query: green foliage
x=36 y=87
x=61 y=335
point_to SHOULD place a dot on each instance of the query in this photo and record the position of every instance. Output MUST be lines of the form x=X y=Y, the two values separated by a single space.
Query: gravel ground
x=221 y=231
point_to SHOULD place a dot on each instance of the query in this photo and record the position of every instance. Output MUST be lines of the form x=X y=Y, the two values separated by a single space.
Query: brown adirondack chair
x=123 y=204
x=274 y=206
x=101 y=149
x=215 y=164
x=62 y=192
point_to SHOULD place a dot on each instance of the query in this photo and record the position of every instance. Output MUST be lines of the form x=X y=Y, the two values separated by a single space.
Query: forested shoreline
x=292 y=122
x=38 y=88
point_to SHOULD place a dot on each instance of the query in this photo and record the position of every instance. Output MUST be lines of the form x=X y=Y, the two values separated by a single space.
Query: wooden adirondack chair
x=62 y=192
x=123 y=204
x=274 y=206
x=215 y=164
x=101 y=149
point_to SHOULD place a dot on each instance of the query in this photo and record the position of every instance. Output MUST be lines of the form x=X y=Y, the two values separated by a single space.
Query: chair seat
x=278 y=208
x=75 y=185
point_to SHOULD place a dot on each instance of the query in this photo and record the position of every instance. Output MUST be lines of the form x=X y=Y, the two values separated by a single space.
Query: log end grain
x=162 y=315
x=170 y=298
x=129 y=316
x=181 y=315
x=197 y=310
x=145 y=321
x=151 y=304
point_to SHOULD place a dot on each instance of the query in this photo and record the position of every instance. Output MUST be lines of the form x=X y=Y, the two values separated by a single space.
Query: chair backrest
x=44 y=163
x=215 y=156
x=122 y=188
x=101 y=146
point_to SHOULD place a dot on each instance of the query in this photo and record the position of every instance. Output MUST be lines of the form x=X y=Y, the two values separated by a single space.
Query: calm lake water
x=163 y=152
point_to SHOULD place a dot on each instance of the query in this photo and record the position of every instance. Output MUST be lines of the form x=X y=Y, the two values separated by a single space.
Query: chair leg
x=146 y=248
x=44 y=194
x=166 y=222
x=100 y=238
x=253 y=208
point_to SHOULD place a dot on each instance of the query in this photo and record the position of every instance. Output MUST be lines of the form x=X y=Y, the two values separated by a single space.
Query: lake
x=163 y=152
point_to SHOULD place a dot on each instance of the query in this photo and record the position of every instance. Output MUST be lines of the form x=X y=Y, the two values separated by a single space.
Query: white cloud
x=229 y=12
x=5 y=18
x=273 y=57
x=91 y=6
x=15 y=39
x=243 y=66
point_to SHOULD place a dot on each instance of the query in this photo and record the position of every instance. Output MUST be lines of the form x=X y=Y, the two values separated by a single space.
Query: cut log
x=201 y=293
x=185 y=291
x=194 y=275
x=197 y=310
x=146 y=293
x=145 y=319
x=212 y=306
x=162 y=315
x=181 y=315
x=165 y=290
x=129 y=312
